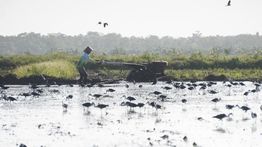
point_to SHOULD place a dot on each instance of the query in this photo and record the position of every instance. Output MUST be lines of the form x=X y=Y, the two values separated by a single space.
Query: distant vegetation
x=115 y=44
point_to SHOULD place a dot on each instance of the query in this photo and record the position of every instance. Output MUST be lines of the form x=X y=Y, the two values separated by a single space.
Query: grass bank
x=56 y=68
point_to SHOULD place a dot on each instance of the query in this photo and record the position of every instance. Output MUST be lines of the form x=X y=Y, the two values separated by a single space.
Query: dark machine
x=147 y=72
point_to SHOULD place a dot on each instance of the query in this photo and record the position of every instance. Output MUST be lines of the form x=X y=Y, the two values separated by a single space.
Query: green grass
x=236 y=74
x=57 y=68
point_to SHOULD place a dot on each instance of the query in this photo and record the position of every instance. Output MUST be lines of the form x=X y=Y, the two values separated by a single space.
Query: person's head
x=88 y=50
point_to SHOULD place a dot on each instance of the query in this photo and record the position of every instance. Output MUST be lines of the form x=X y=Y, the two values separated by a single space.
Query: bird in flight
x=229 y=3
x=105 y=24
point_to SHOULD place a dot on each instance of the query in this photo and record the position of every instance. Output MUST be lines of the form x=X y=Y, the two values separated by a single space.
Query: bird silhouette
x=10 y=98
x=105 y=24
x=229 y=3
x=130 y=98
x=183 y=100
x=253 y=115
x=4 y=87
x=25 y=94
x=230 y=106
x=156 y=92
x=221 y=116
x=100 y=22
x=185 y=138
x=87 y=105
x=110 y=90
x=69 y=96
x=167 y=88
x=97 y=95
x=215 y=100
x=22 y=145
x=65 y=106
x=244 y=108
x=101 y=106
x=35 y=93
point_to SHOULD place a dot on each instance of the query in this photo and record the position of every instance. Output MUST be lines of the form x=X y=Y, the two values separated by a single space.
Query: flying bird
x=105 y=24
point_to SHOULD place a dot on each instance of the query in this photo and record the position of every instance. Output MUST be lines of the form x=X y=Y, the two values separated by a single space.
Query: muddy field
x=174 y=114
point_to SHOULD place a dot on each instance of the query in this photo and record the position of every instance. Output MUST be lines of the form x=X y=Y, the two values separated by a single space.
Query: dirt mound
x=216 y=78
x=43 y=80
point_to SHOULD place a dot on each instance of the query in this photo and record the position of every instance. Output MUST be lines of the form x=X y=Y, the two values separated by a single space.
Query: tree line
x=35 y=43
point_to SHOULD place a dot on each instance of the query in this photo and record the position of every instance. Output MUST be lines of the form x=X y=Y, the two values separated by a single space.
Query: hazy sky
x=177 y=18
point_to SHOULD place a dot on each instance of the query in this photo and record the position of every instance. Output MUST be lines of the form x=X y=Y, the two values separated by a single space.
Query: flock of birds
x=37 y=91
x=132 y=102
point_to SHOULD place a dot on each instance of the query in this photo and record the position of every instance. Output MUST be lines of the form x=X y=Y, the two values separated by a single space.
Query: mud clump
x=11 y=79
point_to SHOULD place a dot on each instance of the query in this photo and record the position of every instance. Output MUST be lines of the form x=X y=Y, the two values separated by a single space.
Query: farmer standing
x=82 y=62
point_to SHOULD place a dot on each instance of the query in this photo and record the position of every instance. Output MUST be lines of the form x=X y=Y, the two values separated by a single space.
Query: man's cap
x=88 y=48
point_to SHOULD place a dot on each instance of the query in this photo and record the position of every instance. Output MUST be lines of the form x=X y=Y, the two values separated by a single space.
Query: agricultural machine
x=146 y=72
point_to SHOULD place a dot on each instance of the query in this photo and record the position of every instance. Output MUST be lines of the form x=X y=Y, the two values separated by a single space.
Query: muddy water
x=42 y=121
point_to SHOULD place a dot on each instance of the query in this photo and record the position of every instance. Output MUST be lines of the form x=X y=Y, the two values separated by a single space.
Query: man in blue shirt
x=82 y=62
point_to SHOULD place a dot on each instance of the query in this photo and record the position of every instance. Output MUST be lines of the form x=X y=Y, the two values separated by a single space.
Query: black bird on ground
x=130 y=98
x=191 y=88
x=167 y=88
x=25 y=94
x=183 y=100
x=212 y=91
x=87 y=104
x=215 y=100
x=34 y=86
x=230 y=106
x=222 y=116
x=140 y=105
x=110 y=90
x=97 y=95
x=154 y=105
x=69 y=96
x=40 y=90
x=253 y=115
x=156 y=92
x=229 y=3
x=246 y=93
x=22 y=145
x=101 y=106
x=10 y=98
x=129 y=104
x=242 y=84
x=35 y=93
x=65 y=106
x=244 y=108
x=185 y=138
x=4 y=87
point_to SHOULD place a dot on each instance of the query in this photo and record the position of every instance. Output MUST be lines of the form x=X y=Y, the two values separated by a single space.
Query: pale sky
x=176 y=18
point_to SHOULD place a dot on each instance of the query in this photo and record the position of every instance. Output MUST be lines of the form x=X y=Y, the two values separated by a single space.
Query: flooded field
x=166 y=114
